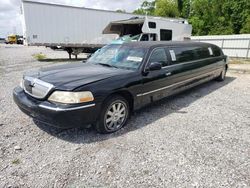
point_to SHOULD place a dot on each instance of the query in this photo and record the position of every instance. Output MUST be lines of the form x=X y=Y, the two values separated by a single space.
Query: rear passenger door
x=189 y=64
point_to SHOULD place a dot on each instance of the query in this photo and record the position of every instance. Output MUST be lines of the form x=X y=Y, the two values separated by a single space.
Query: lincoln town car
x=115 y=81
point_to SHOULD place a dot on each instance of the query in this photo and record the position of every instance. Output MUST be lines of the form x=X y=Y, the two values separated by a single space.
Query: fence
x=232 y=45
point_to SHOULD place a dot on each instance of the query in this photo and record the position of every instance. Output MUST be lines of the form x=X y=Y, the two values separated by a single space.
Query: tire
x=222 y=75
x=114 y=115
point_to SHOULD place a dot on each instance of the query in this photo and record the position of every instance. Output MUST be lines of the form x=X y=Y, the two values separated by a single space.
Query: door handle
x=168 y=74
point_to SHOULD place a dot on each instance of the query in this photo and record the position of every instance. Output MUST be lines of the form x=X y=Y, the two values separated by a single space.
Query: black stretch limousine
x=116 y=80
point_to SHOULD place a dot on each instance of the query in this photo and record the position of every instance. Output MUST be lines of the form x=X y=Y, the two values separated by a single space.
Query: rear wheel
x=222 y=75
x=114 y=115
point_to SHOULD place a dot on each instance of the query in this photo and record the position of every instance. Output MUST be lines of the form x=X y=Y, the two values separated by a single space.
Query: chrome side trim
x=57 y=109
x=153 y=91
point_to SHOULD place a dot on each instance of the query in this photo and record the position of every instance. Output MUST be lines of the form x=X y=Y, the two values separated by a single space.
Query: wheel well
x=127 y=95
x=226 y=66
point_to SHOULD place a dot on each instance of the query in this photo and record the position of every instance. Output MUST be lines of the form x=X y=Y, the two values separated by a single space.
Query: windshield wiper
x=107 y=65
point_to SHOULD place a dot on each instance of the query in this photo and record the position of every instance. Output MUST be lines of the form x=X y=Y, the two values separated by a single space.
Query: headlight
x=71 y=97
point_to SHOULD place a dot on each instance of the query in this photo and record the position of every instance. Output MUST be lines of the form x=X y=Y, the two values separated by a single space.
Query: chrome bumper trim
x=57 y=109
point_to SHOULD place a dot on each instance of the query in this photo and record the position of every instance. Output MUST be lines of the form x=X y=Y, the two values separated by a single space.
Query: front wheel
x=222 y=75
x=114 y=115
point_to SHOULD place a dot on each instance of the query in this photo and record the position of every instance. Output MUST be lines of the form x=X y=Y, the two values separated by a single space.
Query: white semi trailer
x=78 y=29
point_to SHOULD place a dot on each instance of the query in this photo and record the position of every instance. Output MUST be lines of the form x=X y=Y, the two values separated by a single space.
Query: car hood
x=71 y=76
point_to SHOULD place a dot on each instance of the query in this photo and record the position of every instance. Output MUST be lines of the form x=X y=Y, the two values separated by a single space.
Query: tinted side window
x=166 y=35
x=180 y=55
x=152 y=25
x=217 y=51
x=159 y=55
x=144 y=37
x=202 y=52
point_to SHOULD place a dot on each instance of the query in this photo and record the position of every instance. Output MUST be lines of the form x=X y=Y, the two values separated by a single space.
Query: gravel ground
x=200 y=138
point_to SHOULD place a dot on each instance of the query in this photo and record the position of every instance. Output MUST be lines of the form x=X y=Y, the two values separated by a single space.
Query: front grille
x=36 y=88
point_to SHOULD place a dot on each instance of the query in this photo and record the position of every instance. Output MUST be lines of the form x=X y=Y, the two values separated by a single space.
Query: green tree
x=200 y=16
x=147 y=8
x=180 y=4
x=121 y=11
x=237 y=13
x=208 y=17
x=167 y=8
x=246 y=26
x=184 y=8
x=213 y=17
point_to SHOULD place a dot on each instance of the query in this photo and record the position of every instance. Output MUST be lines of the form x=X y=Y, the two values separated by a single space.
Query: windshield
x=118 y=56
x=129 y=38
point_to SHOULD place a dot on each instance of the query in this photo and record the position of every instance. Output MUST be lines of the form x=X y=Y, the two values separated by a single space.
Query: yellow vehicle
x=14 y=39
x=11 y=39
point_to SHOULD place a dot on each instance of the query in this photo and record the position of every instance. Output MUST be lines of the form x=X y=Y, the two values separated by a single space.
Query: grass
x=42 y=58
x=16 y=161
x=39 y=56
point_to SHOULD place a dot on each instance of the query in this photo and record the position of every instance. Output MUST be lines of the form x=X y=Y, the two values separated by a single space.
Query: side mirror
x=154 y=66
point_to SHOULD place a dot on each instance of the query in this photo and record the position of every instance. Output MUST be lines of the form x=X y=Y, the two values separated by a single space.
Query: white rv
x=150 y=29
x=77 y=29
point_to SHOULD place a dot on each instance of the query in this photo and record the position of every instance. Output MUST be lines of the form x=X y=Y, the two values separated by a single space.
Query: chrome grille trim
x=38 y=88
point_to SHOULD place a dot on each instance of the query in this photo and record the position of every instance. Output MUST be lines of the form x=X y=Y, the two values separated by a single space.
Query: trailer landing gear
x=73 y=51
x=69 y=50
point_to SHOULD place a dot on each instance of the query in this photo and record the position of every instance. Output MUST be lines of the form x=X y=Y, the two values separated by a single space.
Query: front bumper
x=61 y=116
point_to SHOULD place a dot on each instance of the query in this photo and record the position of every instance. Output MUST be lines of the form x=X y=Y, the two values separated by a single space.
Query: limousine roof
x=153 y=44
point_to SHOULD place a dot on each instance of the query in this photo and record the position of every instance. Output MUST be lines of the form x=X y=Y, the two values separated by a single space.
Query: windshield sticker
x=173 y=57
x=134 y=58
x=210 y=51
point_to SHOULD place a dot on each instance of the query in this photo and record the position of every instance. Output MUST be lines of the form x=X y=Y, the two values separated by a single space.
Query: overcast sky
x=10 y=21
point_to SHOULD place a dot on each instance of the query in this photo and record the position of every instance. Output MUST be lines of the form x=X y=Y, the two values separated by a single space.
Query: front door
x=154 y=82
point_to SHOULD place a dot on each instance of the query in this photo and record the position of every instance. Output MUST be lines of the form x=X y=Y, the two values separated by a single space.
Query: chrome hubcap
x=116 y=115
